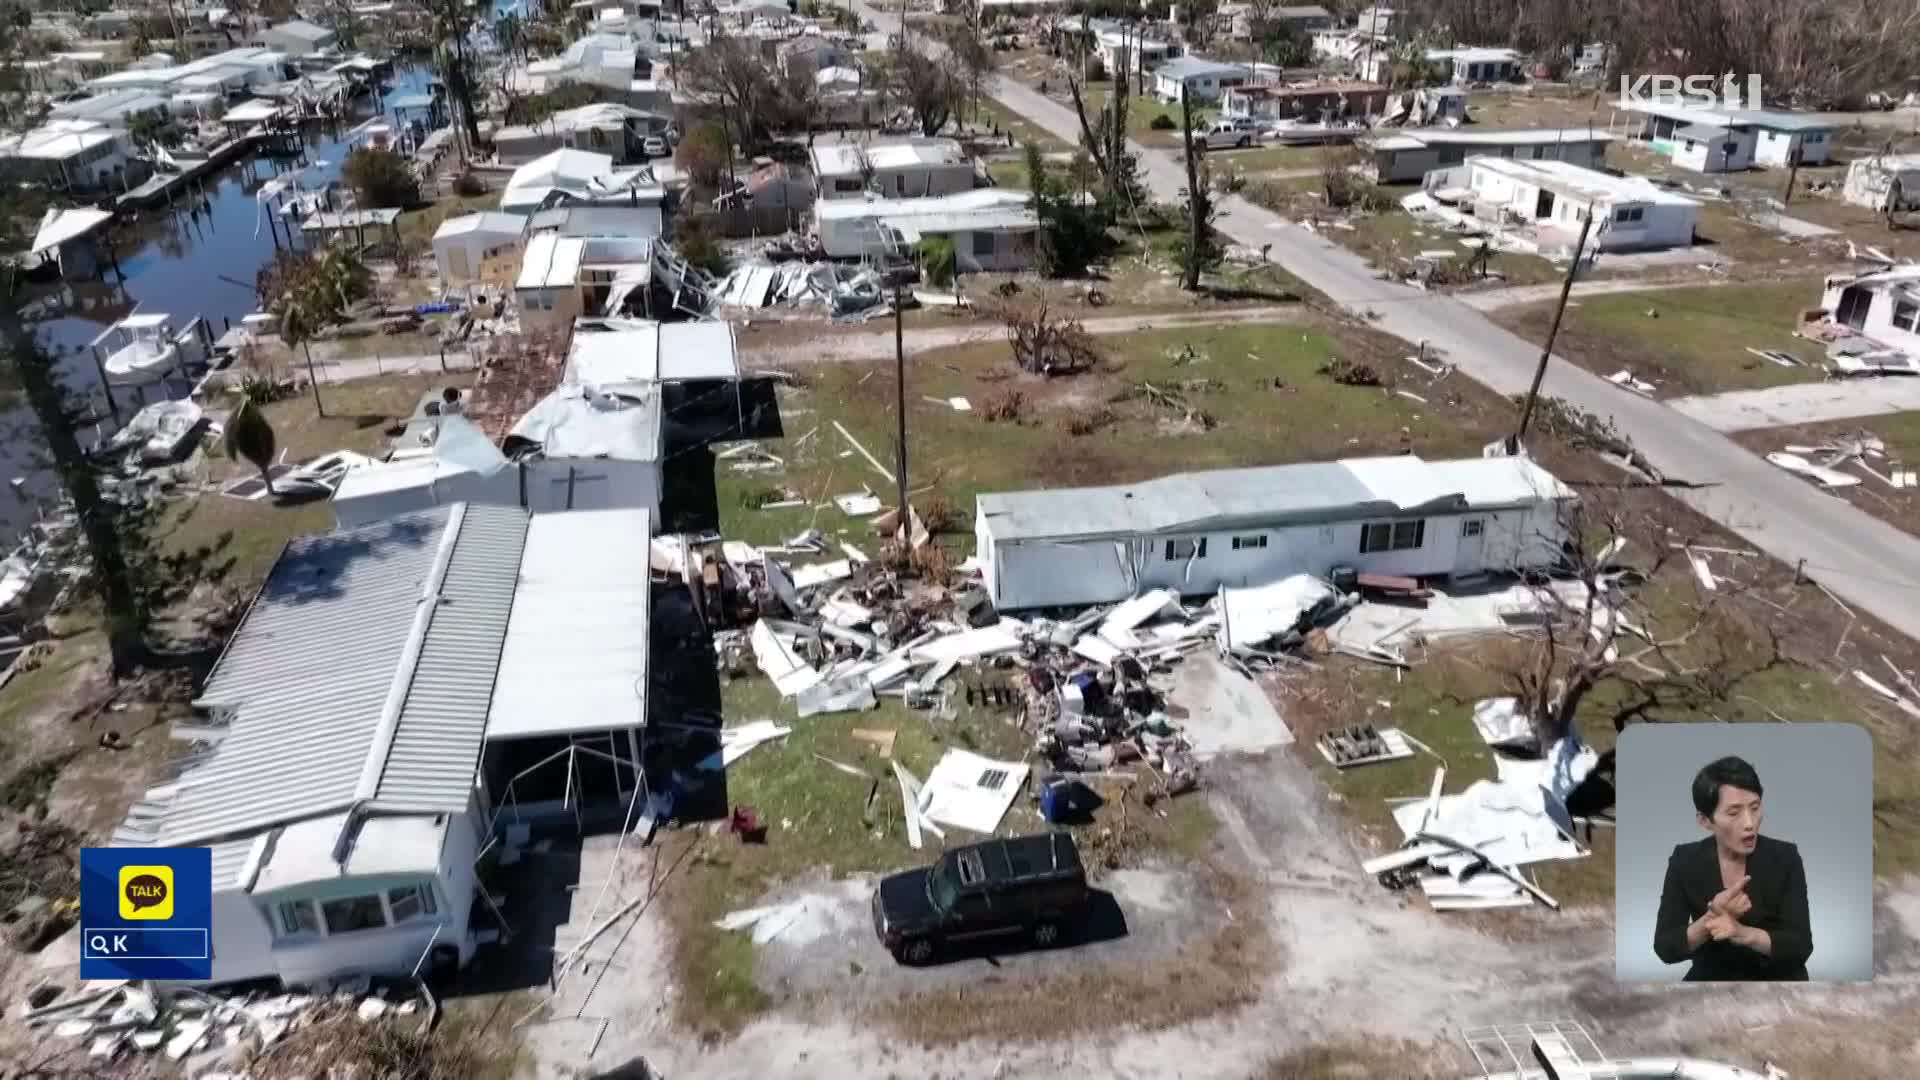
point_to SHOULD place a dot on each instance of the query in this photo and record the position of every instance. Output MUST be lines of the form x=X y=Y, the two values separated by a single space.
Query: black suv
x=1024 y=885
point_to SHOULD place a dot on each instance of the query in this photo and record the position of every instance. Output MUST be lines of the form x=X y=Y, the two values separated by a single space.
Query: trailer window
x=1392 y=536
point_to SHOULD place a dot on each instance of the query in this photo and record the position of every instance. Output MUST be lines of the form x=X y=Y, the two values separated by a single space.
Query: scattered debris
x=1626 y=378
x=1820 y=474
x=1347 y=373
x=1363 y=744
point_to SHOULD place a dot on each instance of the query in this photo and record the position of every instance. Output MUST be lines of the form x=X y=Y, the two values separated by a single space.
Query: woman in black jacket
x=1734 y=902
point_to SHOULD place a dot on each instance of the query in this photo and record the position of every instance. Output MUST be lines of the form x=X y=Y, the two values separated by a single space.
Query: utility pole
x=1566 y=289
x=1793 y=170
x=900 y=416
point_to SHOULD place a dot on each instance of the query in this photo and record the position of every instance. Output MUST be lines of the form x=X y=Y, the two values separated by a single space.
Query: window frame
x=379 y=905
x=1253 y=542
x=1196 y=548
x=429 y=904
x=1909 y=308
x=1396 y=536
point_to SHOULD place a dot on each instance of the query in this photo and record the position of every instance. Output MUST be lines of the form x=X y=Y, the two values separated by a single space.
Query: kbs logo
x=146 y=892
x=1727 y=91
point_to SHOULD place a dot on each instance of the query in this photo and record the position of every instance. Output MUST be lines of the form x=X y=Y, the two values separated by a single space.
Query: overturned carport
x=569 y=709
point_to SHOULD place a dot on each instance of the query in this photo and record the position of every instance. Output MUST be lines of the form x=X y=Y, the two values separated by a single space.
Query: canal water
x=198 y=257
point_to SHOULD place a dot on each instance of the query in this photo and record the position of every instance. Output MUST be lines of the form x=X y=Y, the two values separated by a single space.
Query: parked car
x=654 y=146
x=1026 y=885
x=1225 y=133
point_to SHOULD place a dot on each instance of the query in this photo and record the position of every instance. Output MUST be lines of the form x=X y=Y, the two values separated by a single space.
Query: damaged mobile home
x=1195 y=532
x=395 y=694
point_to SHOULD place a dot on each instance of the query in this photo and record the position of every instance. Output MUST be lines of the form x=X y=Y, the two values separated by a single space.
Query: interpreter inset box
x=1744 y=853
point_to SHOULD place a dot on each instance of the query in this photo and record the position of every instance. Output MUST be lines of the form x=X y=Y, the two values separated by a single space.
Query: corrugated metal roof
x=312 y=666
x=308 y=669
x=1271 y=495
x=436 y=744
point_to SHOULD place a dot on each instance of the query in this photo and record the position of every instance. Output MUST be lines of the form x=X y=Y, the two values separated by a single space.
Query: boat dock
x=163 y=186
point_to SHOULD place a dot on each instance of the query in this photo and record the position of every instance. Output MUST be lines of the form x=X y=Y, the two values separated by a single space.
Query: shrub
x=697 y=244
x=1162 y=122
x=467 y=185
x=1003 y=406
x=938 y=263
x=1086 y=421
x=1097 y=70
x=380 y=178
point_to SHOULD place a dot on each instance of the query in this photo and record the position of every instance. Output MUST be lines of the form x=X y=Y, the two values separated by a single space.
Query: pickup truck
x=1225 y=133
x=1032 y=886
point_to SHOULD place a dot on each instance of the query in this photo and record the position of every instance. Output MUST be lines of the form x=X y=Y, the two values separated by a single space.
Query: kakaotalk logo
x=1727 y=91
x=146 y=892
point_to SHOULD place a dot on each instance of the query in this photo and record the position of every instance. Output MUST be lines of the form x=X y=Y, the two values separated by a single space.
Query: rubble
x=194 y=1027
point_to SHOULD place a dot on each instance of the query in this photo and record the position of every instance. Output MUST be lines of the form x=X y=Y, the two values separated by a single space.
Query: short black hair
x=1726 y=772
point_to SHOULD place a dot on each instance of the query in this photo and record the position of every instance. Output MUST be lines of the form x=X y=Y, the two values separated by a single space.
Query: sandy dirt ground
x=1352 y=962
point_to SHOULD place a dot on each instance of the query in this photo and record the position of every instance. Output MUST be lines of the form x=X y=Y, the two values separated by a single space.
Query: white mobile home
x=1546 y=200
x=1478 y=65
x=1778 y=137
x=1884 y=182
x=1883 y=305
x=1710 y=149
x=891 y=168
x=477 y=245
x=1202 y=80
x=991 y=228
x=591 y=450
x=296 y=37
x=1195 y=532
x=351 y=792
x=73 y=155
x=1404 y=156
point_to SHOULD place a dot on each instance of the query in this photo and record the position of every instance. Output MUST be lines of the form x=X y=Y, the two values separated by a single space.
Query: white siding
x=1064 y=573
x=242 y=941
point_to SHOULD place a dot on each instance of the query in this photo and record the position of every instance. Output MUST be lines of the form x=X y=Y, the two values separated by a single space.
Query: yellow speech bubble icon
x=146 y=892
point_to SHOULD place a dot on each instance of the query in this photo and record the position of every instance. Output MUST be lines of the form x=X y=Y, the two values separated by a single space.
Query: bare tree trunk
x=1191 y=281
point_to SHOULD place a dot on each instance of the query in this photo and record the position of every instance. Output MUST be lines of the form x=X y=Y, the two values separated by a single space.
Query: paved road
x=1868 y=562
x=1801 y=403
x=878 y=345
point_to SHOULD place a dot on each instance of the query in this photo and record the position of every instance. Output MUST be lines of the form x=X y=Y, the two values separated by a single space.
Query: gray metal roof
x=312 y=665
x=1188 y=67
x=1272 y=495
x=436 y=744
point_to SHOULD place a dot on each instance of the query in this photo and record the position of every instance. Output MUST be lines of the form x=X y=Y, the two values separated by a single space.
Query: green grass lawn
x=418 y=226
x=1694 y=342
x=1024 y=130
x=1901 y=434
x=1141 y=112
x=245 y=537
x=959 y=454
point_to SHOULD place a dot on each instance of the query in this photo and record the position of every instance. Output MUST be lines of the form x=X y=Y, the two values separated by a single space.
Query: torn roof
x=1273 y=495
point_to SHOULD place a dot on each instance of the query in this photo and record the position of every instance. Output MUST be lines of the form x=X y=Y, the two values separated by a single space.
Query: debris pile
x=846 y=291
x=204 y=1031
x=1822 y=463
x=1466 y=851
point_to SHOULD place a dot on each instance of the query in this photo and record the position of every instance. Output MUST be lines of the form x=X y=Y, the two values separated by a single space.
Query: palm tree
x=250 y=438
x=511 y=32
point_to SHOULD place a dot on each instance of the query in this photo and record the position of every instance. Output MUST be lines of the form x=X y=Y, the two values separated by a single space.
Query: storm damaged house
x=394 y=695
x=1195 y=532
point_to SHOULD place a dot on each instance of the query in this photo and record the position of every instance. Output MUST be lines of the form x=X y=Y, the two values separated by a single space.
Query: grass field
x=1901 y=434
x=956 y=455
x=246 y=537
x=1684 y=341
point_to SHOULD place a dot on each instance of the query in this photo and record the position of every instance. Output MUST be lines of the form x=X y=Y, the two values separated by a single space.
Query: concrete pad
x=1226 y=711
x=1801 y=403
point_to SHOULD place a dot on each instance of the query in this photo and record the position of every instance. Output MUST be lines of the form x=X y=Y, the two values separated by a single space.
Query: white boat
x=1305 y=133
x=143 y=349
x=16 y=577
x=159 y=432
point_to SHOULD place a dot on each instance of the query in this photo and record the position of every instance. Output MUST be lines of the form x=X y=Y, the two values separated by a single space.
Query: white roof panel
x=551 y=261
x=575 y=657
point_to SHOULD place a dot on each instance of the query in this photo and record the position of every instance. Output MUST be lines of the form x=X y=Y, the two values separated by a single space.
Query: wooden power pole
x=900 y=418
x=1559 y=312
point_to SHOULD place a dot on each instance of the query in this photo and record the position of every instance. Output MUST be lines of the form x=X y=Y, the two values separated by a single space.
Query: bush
x=703 y=153
x=467 y=185
x=696 y=243
x=1097 y=70
x=1003 y=405
x=1162 y=122
x=1086 y=421
x=380 y=178
x=938 y=263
